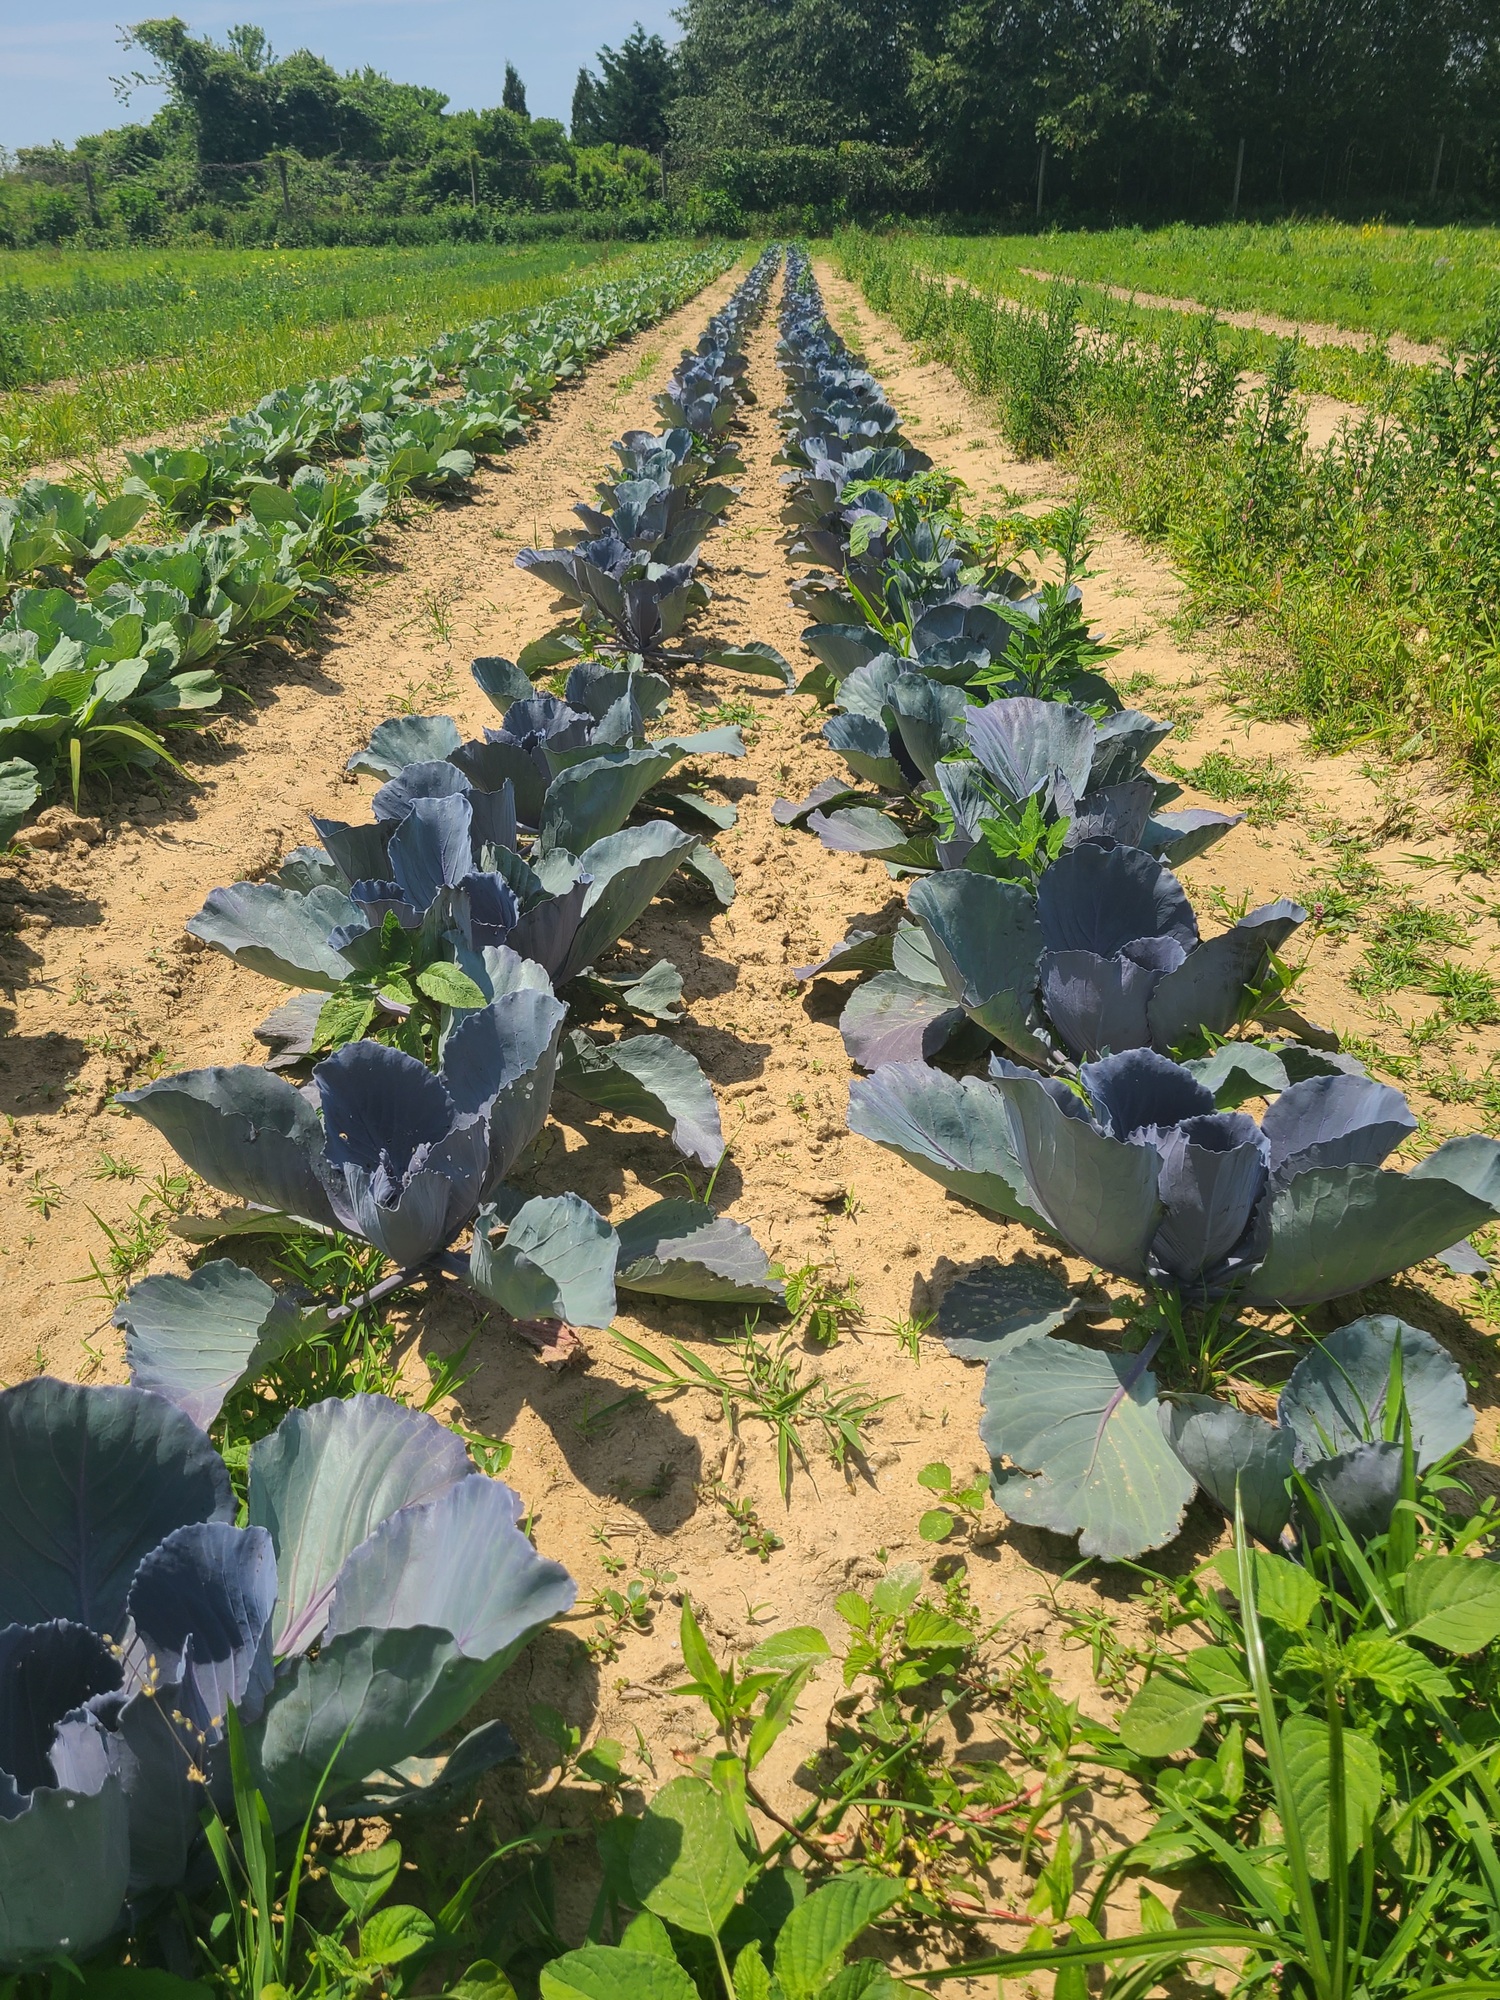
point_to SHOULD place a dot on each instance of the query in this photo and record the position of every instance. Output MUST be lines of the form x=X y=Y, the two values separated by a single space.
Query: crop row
x=197 y=1636
x=108 y=647
x=1046 y=935
x=377 y=1584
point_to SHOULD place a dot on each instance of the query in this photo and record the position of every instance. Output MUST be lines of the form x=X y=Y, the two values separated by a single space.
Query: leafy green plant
x=825 y=1303
x=959 y=1506
x=1345 y=1794
x=400 y=998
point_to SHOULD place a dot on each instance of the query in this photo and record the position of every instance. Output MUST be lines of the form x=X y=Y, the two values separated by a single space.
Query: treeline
x=1098 y=108
x=251 y=148
x=808 y=112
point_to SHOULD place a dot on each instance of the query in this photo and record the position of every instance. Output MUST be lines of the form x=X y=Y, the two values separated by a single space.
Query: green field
x=1367 y=569
x=98 y=348
x=1429 y=284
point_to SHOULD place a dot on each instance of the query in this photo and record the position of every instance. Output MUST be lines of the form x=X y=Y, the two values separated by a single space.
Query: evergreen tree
x=634 y=92
x=513 y=96
x=584 y=120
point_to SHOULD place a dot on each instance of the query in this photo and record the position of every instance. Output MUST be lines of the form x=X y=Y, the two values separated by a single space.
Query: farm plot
x=1426 y=285
x=1360 y=567
x=922 y=1791
x=109 y=646
x=99 y=350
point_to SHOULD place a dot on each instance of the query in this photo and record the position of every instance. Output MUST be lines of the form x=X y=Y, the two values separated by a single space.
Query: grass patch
x=1267 y=793
x=1426 y=283
x=1400 y=952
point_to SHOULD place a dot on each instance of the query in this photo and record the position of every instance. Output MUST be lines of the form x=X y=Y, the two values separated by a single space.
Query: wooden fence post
x=473 y=184
x=1239 y=174
x=1437 y=167
x=286 y=199
x=88 y=181
x=1041 y=177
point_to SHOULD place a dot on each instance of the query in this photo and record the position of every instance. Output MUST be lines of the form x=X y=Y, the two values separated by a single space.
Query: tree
x=627 y=105
x=584 y=120
x=243 y=104
x=513 y=96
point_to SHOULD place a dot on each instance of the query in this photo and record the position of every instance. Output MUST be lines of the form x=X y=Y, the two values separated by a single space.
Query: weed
x=734 y=711
x=612 y=1564
x=111 y=1167
x=1400 y=951
x=643 y=370
x=755 y=1538
x=593 y=1423
x=1468 y=996
x=1339 y=897
x=1268 y=794
x=42 y=1195
x=491 y=1455
x=768 y=1384
x=353 y=1350
x=959 y=1506
x=131 y=1244
x=829 y=1305
x=434 y=607
x=907 y=1332
x=1228 y=909
x=655 y=1488
x=1481 y=1093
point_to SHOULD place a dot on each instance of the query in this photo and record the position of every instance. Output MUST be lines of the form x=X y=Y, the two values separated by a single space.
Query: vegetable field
x=98 y=348
x=750 y=1248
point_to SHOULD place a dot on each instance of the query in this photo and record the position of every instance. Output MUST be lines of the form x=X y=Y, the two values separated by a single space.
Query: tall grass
x=1349 y=374
x=118 y=347
x=1430 y=284
x=1369 y=571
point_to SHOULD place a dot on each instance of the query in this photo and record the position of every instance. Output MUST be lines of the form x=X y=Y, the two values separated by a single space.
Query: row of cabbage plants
x=372 y=1584
x=108 y=646
x=994 y=768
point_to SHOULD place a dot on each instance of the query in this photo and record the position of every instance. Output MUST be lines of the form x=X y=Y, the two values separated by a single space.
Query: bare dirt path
x=1313 y=333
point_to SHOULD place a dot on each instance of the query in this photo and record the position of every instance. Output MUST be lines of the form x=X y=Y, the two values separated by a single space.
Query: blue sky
x=57 y=56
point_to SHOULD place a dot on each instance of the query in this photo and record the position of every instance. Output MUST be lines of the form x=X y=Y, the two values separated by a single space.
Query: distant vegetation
x=253 y=148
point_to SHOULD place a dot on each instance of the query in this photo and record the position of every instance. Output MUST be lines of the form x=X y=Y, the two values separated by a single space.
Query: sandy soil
x=1314 y=333
x=104 y=990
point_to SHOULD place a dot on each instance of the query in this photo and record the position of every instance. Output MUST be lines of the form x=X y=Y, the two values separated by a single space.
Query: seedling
x=755 y=1538
x=962 y=1506
x=42 y=1195
x=830 y=1305
x=907 y=1332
